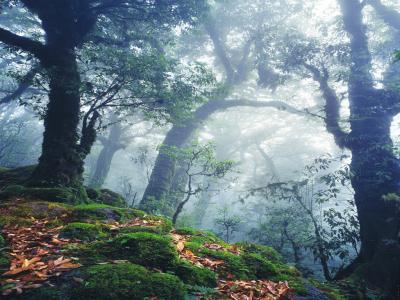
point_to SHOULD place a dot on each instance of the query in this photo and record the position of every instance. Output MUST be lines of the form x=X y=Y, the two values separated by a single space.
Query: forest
x=200 y=149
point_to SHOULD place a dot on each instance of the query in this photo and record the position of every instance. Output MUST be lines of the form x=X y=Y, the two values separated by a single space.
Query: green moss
x=89 y=252
x=266 y=252
x=295 y=283
x=2 y=170
x=147 y=249
x=83 y=231
x=4 y=262
x=332 y=292
x=56 y=194
x=93 y=193
x=95 y=211
x=105 y=196
x=259 y=266
x=20 y=213
x=12 y=191
x=194 y=247
x=43 y=293
x=163 y=228
x=150 y=229
x=6 y=220
x=201 y=237
x=193 y=275
x=111 y=198
x=234 y=265
x=127 y=282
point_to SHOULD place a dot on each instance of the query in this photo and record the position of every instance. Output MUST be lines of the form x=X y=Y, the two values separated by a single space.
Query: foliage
x=304 y=217
x=198 y=162
x=227 y=223
x=397 y=55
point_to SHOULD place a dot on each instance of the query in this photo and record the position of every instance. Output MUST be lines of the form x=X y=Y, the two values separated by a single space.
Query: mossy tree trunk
x=65 y=24
x=61 y=162
x=375 y=168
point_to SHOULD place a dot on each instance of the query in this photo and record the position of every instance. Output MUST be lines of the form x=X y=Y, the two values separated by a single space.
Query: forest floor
x=95 y=251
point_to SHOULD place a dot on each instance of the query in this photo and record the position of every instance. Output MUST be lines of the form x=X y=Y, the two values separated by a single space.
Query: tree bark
x=375 y=168
x=111 y=145
x=61 y=162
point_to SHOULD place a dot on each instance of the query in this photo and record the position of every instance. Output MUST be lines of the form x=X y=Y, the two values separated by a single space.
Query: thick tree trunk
x=375 y=180
x=375 y=168
x=60 y=162
x=110 y=146
x=164 y=168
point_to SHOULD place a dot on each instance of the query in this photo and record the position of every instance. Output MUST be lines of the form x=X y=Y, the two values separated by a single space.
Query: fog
x=250 y=124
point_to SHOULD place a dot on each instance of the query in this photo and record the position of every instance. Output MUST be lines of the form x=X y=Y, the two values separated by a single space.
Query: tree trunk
x=164 y=168
x=180 y=208
x=375 y=168
x=110 y=146
x=61 y=162
x=376 y=176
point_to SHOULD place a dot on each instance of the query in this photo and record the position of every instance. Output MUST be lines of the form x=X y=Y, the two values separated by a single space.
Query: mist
x=260 y=122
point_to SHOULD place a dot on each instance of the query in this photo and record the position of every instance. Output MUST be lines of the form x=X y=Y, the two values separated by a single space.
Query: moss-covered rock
x=56 y=194
x=145 y=243
x=259 y=265
x=127 y=282
x=147 y=249
x=83 y=231
x=162 y=226
x=102 y=212
x=111 y=198
x=89 y=253
x=106 y=196
x=268 y=253
x=194 y=275
x=93 y=193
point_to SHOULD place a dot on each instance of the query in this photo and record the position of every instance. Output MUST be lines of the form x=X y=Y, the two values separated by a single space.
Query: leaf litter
x=228 y=287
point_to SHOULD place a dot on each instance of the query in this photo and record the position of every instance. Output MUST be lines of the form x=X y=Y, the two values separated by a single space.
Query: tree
x=227 y=222
x=119 y=137
x=198 y=161
x=67 y=26
x=303 y=216
x=366 y=133
x=234 y=64
x=374 y=164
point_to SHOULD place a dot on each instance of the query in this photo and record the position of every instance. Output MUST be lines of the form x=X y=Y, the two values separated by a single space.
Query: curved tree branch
x=220 y=50
x=389 y=15
x=332 y=105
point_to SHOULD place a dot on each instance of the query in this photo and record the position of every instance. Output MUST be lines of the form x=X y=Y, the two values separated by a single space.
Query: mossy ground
x=135 y=262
